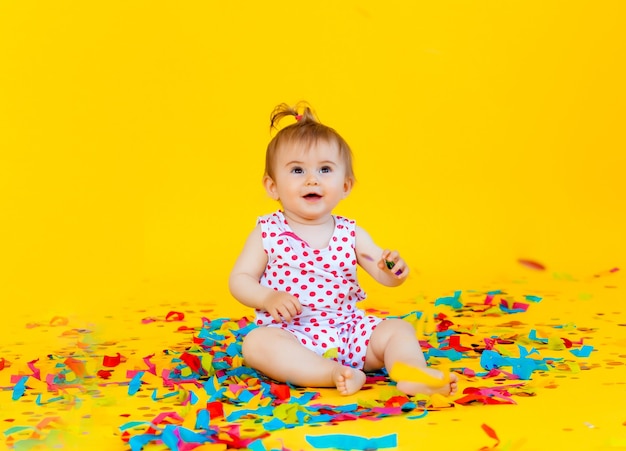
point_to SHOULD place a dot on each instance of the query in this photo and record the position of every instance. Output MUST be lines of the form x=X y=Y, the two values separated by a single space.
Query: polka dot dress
x=324 y=280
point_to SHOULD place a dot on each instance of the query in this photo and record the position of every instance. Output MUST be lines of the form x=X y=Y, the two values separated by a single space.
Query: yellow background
x=132 y=137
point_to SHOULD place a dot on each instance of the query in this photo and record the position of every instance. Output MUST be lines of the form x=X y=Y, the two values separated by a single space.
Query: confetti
x=214 y=400
x=348 y=442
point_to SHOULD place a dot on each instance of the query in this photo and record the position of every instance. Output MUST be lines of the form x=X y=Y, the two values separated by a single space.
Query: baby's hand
x=282 y=306
x=392 y=262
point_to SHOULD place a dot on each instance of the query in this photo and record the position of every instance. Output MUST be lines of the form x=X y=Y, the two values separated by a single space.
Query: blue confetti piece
x=523 y=367
x=511 y=310
x=451 y=354
x=244 y=331
x=490 y=360
x=305 y=398
x=139 y=441
x=417 y=417
x=169 y=437
x=233 y=349
x=349 y=442
x=245 y=396
x=452 y=301
x=19 y=388
x=585 y=351
x=135 y=383
x=533 y=336
x=257 y=445
x=533 y=298
x=322 y=418
x=189 y=436
x=261 y=411
x=133 y=424
x=274 y=424
x=203 y=419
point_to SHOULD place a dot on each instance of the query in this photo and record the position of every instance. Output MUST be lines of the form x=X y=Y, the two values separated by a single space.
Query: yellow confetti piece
x=439 y=401
x=555 y=344
x=403 y=372
x=255 y=402
x=237 y=362
x=211 y=447
x=426 y=324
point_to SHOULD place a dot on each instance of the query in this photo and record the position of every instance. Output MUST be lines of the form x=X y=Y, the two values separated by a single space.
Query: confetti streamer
x=351 y=442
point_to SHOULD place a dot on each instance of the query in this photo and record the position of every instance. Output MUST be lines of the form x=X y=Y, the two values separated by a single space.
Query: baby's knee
x=399 y=326
x=251 y=345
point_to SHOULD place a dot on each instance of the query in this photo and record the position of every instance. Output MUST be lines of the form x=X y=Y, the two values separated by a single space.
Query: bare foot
x=348 y=380
x=447 y=386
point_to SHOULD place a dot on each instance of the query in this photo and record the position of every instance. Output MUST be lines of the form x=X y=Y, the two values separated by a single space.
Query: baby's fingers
x=290 y=309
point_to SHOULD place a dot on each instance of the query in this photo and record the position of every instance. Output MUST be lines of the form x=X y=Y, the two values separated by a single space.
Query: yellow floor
x=572 y=403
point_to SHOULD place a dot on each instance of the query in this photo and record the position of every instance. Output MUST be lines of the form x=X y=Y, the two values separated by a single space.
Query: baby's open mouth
x=312 y=196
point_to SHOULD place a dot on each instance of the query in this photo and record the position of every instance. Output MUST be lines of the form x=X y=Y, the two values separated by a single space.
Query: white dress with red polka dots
x=325 y=282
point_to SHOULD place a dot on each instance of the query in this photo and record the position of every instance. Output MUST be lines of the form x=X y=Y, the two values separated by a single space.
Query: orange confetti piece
x=59 y=321
x=76 y=366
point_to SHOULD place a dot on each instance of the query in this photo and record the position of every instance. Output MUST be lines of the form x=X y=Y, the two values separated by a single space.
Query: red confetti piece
x=531 y=264
x=111 y=362
x=281 y=391
x=192 y=361
x=397 y=401
x=186 y=329
x=3 y=363
x=104 y=374
x=216 y=409
x=492 y=434
x=454 y=342
x=174 y=316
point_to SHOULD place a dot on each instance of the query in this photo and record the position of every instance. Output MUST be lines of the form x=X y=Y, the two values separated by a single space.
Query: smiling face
x=309 y=182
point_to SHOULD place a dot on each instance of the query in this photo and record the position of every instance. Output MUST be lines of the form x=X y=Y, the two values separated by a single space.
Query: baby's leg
x=394 y=341
x=278 y=354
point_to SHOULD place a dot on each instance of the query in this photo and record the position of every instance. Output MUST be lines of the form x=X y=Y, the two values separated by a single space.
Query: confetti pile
x=207 y=399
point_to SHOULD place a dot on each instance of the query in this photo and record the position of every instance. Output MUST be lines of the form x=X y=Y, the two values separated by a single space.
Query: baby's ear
x=347 y=186
x=270 y=187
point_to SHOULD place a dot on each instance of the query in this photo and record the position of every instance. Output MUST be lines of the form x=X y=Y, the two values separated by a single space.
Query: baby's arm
x=386 y=266
x=245 y=287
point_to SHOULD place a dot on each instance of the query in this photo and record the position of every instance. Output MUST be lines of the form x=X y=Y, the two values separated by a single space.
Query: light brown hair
x=306 y=131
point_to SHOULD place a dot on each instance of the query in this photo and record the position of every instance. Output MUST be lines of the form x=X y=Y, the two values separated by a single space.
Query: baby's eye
x=325 y=169
x=297 y=170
